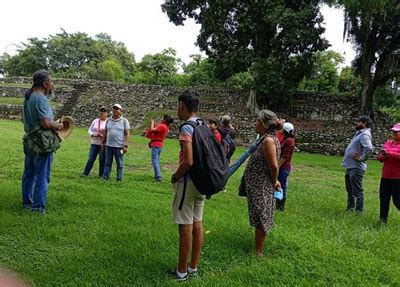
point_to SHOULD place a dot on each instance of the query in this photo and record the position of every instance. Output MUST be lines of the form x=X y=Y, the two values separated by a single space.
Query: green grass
x=19 y=101
x=108 y=234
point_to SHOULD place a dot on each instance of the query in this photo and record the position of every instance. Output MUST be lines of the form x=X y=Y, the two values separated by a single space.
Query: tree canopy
x=70 y=55
x=272 y=39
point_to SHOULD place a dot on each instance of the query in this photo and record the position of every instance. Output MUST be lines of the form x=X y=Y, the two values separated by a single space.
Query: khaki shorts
x=193 y=204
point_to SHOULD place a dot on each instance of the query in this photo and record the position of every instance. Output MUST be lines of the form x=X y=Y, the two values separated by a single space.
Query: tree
x=273 y=39
x=67 y=55
x=373 y=27
x=30 y=58
x=324 y=75
x=349 y=83
x=158 y=68
x=201 y=71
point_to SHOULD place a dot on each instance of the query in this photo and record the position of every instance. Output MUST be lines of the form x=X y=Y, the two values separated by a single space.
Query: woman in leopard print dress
x=261 y=178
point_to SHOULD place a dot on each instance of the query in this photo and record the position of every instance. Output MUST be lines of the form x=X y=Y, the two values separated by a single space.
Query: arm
x=269 y=150
x=51 y=125
x=152 y=125
x=393 y=155
x=127 y=134
x=382 y=156
x=105 y=136
x=91 y=129
x=45 y=114
x=367 y=145
x=187 y=162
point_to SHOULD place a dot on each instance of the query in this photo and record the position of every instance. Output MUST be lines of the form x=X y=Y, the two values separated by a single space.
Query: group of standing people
x=266 y=171
x=109 y=140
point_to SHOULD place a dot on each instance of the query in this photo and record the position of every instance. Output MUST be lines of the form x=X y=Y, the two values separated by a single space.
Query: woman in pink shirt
x=390 y=181
x=96 y=132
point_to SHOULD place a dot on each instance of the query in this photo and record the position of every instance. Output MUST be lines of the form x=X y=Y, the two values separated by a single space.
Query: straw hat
x=69 y=125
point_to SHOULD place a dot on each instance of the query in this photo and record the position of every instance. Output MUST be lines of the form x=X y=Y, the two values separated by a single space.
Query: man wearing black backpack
x=197 y=176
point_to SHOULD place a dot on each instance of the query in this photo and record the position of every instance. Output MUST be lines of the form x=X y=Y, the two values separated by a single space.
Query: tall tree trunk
x=252 y=105
x=367 y=100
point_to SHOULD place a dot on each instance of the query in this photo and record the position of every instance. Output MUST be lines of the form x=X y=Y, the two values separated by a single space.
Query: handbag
x=42 y=141
x=242 y=187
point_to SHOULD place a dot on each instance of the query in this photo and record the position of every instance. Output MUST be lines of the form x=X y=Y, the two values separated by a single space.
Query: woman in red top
x=285 y=162
x=390 y=180
x=157 y=135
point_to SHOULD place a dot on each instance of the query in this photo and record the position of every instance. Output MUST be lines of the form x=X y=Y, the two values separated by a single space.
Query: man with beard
x=37 y=115
x=354 y=161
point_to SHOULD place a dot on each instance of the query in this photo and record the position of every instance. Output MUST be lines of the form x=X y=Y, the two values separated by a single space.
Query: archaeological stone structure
x=323 y=122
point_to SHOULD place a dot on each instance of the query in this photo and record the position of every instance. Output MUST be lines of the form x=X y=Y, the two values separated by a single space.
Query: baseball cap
x=396 y=128
x=117 y=106
x=288 y=127
x=103 y=109
x=364 y=119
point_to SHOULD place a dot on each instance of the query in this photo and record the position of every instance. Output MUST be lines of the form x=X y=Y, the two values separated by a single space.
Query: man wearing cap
x=116 y=140
x=96 y=131
x=37 y=114
x=354 y=161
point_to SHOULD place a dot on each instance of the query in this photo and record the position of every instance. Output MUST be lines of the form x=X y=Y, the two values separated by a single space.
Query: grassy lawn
x=108 y=234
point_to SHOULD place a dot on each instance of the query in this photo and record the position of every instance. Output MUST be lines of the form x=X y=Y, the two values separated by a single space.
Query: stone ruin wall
x=323 y=123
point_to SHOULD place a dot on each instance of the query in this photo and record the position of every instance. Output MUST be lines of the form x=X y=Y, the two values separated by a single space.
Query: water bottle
x=278 y=194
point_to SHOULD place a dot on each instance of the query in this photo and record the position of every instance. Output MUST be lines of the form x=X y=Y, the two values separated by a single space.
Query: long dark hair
x=39 y=77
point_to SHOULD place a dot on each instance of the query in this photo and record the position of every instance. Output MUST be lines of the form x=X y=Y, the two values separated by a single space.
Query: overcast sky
x=140 y=24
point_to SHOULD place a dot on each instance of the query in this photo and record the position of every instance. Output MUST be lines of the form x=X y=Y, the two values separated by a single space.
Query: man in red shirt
x=157 y=135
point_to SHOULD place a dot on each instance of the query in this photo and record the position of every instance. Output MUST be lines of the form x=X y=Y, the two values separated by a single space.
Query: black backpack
x=229 y=145
x=210 y=169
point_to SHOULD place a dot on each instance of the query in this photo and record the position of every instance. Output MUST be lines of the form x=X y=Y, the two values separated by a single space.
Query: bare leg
x=185 y=245
x=197 y=243
x=260 y=240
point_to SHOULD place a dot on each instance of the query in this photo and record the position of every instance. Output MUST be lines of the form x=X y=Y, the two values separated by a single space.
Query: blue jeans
x=283 y=179
x=155 y=159
x=93 y=152
x=35 y=180
x=354 y=188
x=119 y=159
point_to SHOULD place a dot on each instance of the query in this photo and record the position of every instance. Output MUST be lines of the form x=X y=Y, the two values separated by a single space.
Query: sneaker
x=84 y=175
x=176 y=277
x=193 y=272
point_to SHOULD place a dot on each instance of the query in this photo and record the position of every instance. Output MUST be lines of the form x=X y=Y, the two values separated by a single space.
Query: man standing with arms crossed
x=37 y=114
x=354 y=161
x=189 y=217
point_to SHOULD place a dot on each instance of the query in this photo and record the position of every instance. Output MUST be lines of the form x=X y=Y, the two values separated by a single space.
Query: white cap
x=288 y=127
x=118 y=106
